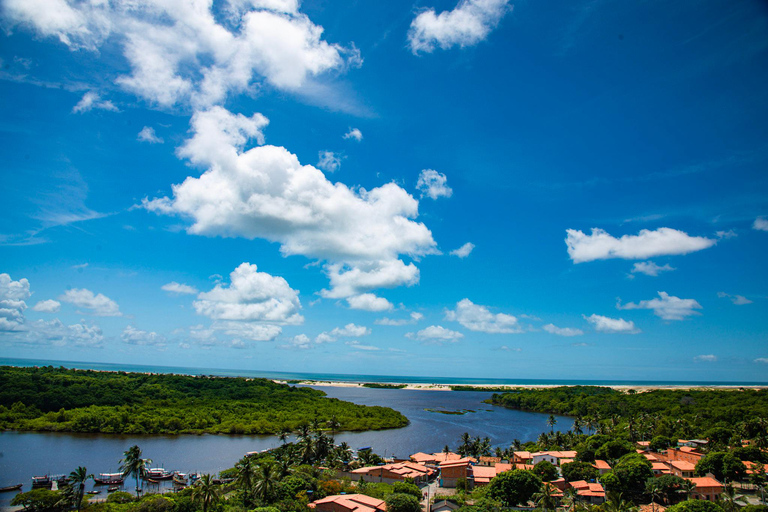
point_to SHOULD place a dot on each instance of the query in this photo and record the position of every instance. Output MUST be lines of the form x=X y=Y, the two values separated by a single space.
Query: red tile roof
x=353 y=502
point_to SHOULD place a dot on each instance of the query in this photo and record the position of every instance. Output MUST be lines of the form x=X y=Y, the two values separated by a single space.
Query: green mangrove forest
x=66 y=400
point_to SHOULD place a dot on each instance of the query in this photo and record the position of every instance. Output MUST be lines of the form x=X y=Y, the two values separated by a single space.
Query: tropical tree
x=655 y=491
x=245 y=477
x=283 y=434
x=266 y=482
x=77 y=480
x=545 y=499
x=205 y=492
x=551 y=422
x=729 y=501
x=134 y=464
x=333 y=425
x=686 y=488
x=616 y=503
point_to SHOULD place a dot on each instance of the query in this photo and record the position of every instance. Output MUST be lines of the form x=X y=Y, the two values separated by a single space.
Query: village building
x=553 y=457
x=521 y=457
x=594 y=493
x=349 y=503
x=601 y=466
x=452 y=471
x=707 y=488
x=443 y=506
x=395 y=472
x=433 y=459
x=681 y=468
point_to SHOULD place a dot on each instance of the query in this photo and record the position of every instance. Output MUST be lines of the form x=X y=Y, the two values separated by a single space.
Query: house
x=707 y=488
x=434 y=459
x=443 y=506
x=482 y=475
x=643 y=445
x=651 y=457
x=553 y=457
x=489 y=461
x=594 y=493
x=349 y=503
x=452 y=470
x=396 y=472
x=692 y=455
x=681 y=468
x=521 y=457
x=659 y=469
x=601 y=466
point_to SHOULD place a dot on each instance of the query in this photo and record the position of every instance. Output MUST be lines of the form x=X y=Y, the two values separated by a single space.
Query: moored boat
x=16 y=487
x=93 y=492
x=180 y=478
x=113 y=488
x=158 y=474
x=109 y=479
x=48 y=480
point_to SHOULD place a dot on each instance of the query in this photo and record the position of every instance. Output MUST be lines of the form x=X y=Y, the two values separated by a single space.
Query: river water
x=24 y=454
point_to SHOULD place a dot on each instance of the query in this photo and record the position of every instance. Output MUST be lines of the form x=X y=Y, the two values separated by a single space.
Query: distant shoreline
x=502 y=387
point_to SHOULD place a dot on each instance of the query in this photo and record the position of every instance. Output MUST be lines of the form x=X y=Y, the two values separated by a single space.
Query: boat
x=48 y=480
x=16 y=487
x=113 y=488
x=158 y=474
x=109 y=479
x=180 y=478
x=93 y=492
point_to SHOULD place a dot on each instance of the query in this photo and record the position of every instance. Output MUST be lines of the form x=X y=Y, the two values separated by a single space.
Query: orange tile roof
x=688 y=449
x=404 y=469
x=682 y=465
x=580 y=484
x=353 y=502
x=490 y=459
x=466 y=461
x=523 y=455
x=705 y=481
x=660 y=466
x=567 y=454
x=650 y=456
x=601 y=464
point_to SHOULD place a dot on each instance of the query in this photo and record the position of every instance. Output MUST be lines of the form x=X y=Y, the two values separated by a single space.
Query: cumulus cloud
x=760 y=224
x=98 y=304
x=562 y=331
x=354 y=134
x=12 y=305
x=762 y=360
x=463 y=251
x=611 y=325
x=433 y=184
x=739 y=300
x=251 y=296
x=183 y=52
x=328 y=161
x=13 y=290
x=178 y=288
x=90 y=101
x=133 y=336
x=466 y=25
x=47 y=306
x=266 y=193
x=56 y=333
x=436 y=334
x=650 y=268
x=348 y=331
x=646 y=244
x=369 y=302
x=478 y=318
x=414 y=317
x=301 y=341
x=666 y=306
x=705 y=358
x=147 y=134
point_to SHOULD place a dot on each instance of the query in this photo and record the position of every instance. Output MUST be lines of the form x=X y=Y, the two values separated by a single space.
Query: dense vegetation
x=379 y=385
x=58 y=399
x=663 y=412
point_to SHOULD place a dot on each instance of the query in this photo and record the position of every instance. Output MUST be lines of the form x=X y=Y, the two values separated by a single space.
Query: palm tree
x=686 y=488
x=729 y=501
x=570 y=499
x=333 y=425
x=446 y=451
x=551 y=421
x=205 y=492
x=77 y=480
x=266 y=481
x=544 y=499
x=616 y=504
x=245 y=477
x=654 y=490
x=577 y=424
x=133 y=464
x=283 y=434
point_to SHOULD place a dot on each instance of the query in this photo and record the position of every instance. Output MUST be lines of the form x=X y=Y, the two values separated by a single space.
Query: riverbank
x=640 y=388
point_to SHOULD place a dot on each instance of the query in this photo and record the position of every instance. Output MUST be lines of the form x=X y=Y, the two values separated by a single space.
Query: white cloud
x=706 y=358
x=178 y=288
x=466 y=25
x=99 y=304
x=612 y=325
x=433 y=184
x=646 y=244
x=478 y=318
x=251 y=296
x=249 y=330
x=760 y=224
x=133 y=336
x=436 y=334
x=348 y=331
x=13 y=290
x=266 y=193
x=463 y=251
x=90 y=101
x=54 y=332
x=763 y=360
x=358 y=346
x=739 y=300
x=147 y=134
x=355 y=134
x=328 y=161
x=510 y=349
x=562 y=331
x=650 y=268
x=369 y=302
x=12 y=305
x=666 y=306
x=301 y=341
x=415 y=317
x=47 y=306
x=183 y=52
x=726 y=234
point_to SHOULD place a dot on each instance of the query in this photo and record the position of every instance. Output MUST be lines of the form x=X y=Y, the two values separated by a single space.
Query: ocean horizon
x=357 y=378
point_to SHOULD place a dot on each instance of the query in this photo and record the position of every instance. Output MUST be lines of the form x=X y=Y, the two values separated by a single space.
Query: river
x=24 y=454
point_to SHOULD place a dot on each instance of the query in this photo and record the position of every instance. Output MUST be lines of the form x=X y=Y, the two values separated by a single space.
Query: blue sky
x=482 y=189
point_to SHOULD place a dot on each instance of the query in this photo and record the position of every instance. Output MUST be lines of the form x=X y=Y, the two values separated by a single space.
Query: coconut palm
x=545 y=499
x=615 y=503
x=132 y=463
x=77 y=480
x=283 y=434
x=246 y=474
x=266 y=482
x=206 y=492
x=729 y=500
x=654 y=490
x=577 y=426
x=446 y=451
x=551 y=422
x=686 y=488
x=333 y=425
